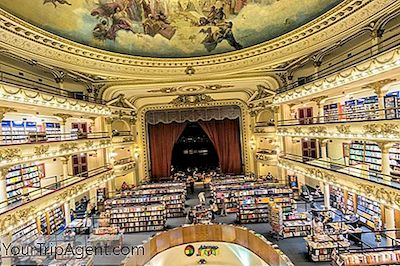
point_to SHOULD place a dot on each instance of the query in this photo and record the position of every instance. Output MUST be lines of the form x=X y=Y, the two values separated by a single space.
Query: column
x=63 y=128
x=381 y=90
x=93 y=196
x=390 y=223
x=64 y=160
x=3 y=188
x=324 y=149
x=320 y=108
x=72 y=204
x=67 y=213
x=327 y=193
x=385 y=160
x=109 y=121
x=111 y=188
x=5 y=240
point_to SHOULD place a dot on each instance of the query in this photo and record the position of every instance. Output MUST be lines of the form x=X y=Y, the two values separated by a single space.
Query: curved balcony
x=191 y=234
x=355 y=178
x=37 y=200
x=266 y=156
x=368 y=53
x=17 y=154
x=120 y=138
x=124 y=166
x=373 y=125
x=43 y=137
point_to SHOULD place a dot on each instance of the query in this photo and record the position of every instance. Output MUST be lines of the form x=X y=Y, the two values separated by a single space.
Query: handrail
x=365 y=54
x=58 y=185
x=189 y=234
x=376 y=177
x=356 y=116
x=125 y=133
x=37 y=137
x=18 y=80
x=123 y=161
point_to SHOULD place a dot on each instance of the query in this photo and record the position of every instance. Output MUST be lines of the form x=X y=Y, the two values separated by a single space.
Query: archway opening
x=194 y=149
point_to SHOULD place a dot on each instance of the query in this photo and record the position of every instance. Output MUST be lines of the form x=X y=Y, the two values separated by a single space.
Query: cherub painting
x=169 y=28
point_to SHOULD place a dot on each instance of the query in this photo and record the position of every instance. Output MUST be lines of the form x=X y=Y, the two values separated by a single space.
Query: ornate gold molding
x=19 y=35
x=193 y=99
x=343 y=129
x=42 y=149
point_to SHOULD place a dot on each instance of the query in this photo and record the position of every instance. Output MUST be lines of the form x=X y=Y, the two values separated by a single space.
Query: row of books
x=136 y=218
x=389 y=257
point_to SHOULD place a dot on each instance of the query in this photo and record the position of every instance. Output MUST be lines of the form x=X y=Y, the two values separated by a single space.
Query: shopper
x=223 y=206
x=214 y=209
x=378 y=228
x=124 y=186
x=202 y=197
x=317 y=226
x=190 y=181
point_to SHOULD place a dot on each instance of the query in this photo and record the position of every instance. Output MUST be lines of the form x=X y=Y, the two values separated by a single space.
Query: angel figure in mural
x=114 y=12
x=54 y=2
x=224 y=32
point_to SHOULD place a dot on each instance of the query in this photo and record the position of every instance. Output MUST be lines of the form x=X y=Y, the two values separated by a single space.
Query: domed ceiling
x=169 y=28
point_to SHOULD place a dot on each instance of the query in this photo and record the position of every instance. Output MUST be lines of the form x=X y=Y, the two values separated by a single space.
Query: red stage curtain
x=224 y=134
x=162 y=140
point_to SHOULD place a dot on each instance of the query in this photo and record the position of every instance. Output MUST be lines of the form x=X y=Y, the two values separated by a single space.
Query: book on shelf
x=137 y=218
x=324 y=247
x=385 y=257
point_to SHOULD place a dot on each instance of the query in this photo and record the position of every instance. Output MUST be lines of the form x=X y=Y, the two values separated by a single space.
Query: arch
x=265 y=116
x=120 y=125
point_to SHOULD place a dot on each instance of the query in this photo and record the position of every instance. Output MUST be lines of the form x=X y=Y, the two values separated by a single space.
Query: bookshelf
x=173 y=195
x=22 y=176
x=201 y=214
x=253 y=205
x=358 y=109
x=55 y=220
x=386 y=257
x=337 y=197
x=253 y=210
x=322 y=247
x=331 y=112
x=288 y=224
x=363 y=152
x=392 y=101
x=139 y=218
x=367 y=209
x=51 y=221
x=25 y=234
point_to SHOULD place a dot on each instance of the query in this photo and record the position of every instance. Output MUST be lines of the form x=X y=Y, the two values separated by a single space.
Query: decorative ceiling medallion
x=192 y=99
x=18 y=35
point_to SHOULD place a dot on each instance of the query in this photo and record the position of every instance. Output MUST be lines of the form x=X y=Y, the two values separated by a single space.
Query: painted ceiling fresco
x=169 y=28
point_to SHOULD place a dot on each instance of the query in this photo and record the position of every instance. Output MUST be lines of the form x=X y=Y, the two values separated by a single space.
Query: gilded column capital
x=385 y=146
x=63 y=117
x=319 y=99
x=4 y=110
x=378 y=86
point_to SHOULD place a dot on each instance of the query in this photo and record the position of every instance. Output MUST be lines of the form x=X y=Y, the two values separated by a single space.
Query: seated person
x=124 y=186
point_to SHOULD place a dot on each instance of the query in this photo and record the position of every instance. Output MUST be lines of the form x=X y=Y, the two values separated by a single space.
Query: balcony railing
x=350 y=61
x=123 y=161
x=347 y=117
x=39 y=137
x=19 y=80
x=351 y=170
x=58 y=184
